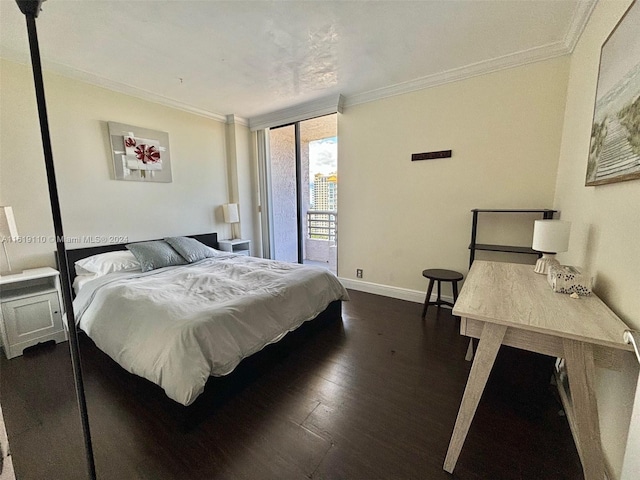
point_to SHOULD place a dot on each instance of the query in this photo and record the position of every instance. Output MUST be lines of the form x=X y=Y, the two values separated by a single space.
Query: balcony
x=320 y=246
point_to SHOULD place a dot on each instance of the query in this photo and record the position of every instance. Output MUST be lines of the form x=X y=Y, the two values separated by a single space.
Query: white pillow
x=103 y=263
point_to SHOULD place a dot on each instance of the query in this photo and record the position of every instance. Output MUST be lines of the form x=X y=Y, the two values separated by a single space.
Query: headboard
x=209 y=239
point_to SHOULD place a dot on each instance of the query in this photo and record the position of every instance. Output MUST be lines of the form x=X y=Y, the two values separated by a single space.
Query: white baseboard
x=416 y=296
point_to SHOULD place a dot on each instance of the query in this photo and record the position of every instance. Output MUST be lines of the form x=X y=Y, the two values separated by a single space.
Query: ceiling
x=249 y=58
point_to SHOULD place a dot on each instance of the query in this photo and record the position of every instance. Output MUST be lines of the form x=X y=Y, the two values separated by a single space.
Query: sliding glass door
x=303 y=187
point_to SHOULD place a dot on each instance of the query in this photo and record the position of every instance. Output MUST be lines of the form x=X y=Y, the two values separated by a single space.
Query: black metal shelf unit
x=547 y=214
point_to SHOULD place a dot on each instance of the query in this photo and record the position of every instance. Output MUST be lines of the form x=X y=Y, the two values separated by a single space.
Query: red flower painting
x=129 y=142
x=147 y=153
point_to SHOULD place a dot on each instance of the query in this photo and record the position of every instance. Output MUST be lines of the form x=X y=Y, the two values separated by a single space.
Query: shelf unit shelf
x=546 y=213
x=504 y=248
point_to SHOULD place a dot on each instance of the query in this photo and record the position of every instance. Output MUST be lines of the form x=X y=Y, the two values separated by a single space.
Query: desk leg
x=490 y=341
x=580 y=370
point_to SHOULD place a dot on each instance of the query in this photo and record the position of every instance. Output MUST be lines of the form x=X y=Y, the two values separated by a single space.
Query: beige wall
x=92 y=202
x=605 y=225
x=399 y=217
x=243 y=181
x=248 y=188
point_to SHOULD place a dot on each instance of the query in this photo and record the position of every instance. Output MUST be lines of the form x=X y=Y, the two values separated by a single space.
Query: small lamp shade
x=8 y=227
x=551 y=236
x=230 y=212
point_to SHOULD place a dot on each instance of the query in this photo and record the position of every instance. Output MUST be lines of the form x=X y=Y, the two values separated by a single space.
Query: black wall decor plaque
x=431 y=155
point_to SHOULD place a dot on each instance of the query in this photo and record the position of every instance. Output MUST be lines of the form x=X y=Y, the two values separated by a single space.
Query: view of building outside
x=323 y=189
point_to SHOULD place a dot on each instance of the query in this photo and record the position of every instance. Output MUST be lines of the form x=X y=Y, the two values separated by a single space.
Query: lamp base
x=233 y=231
x=543 y=263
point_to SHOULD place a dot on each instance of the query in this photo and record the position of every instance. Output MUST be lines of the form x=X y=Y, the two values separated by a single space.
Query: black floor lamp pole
x=31 y=10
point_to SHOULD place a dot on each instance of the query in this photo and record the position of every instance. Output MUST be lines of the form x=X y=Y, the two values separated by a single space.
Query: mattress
x=177 y=326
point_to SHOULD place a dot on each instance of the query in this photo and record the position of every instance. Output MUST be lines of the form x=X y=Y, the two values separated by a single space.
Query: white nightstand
x=31 y=310
x=237 y=245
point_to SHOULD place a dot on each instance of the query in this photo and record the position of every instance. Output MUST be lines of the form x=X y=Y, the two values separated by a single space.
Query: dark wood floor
x=372 y=397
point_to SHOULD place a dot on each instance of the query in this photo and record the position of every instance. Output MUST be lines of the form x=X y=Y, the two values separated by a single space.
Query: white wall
x=605 y=225
x=92 y=202
x=399 y=217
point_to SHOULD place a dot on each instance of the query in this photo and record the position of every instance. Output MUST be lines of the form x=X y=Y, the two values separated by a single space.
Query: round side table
x=439 y=275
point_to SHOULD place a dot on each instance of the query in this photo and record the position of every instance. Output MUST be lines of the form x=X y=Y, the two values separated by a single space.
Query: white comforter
x=176 y=326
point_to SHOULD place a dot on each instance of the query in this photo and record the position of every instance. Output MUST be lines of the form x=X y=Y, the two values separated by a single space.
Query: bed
x=179 y=325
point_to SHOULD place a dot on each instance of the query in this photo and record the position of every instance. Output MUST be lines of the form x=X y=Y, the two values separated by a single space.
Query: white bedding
x=81 y=280
x=176 y=326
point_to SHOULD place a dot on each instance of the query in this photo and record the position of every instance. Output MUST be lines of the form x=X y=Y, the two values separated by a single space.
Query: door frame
x=266 y=188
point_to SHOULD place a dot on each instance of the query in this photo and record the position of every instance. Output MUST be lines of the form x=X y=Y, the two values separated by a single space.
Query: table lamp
x=231 y=215
x=550 y=237
x=8 y=230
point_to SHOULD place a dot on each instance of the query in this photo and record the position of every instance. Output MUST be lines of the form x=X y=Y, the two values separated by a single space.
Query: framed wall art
x=139 y=154
x=614 y=153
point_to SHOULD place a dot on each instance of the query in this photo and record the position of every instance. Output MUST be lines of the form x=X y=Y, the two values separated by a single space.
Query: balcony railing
x=322 y=224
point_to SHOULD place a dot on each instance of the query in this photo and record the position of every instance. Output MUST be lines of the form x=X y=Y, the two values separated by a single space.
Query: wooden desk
x=510 y=304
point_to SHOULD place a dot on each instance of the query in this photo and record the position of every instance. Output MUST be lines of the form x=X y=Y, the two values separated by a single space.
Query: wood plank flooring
x=372 y=397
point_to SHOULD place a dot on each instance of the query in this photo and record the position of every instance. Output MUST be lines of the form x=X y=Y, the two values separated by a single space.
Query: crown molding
x=131 y=91
x=302 y=111
x=95 y=80
x=235 y=120
x=323 y=106
x=517 y=59
x=581 y=15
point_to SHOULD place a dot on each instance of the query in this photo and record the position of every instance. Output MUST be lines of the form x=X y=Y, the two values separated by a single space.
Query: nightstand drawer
x=32 y=320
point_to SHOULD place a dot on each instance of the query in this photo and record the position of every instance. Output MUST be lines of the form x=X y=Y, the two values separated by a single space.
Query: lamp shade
x=230 y=212
x=551 y=236
x=8 y=227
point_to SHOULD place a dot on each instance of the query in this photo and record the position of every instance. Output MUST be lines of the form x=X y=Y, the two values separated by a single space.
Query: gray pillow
x=191 y=249
x=155 y=254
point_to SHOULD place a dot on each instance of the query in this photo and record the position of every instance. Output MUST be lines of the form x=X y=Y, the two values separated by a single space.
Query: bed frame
x=246 y=371
x=209 y=239
x=132 y=391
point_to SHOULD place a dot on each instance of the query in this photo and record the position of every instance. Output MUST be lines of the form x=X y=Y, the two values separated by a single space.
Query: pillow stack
x=145 y=256
x=170 y=251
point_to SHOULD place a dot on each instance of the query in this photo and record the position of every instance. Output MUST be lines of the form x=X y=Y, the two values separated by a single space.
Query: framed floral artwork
x=614 y=153
x=139 y=154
